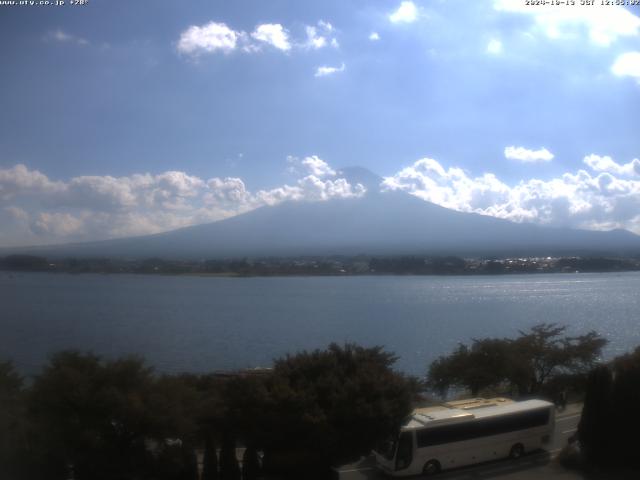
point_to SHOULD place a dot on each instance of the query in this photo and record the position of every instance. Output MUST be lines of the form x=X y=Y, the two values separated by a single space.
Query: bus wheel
x=431 y=467
x=516 y=451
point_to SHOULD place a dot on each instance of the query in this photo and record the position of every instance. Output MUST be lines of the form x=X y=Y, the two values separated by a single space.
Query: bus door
x=404 y=454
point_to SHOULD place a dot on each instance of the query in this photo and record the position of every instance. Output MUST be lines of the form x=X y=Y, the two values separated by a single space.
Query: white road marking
x=355 y=470
x=571 y=430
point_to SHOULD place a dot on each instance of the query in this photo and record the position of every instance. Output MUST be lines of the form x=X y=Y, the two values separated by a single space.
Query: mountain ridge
x=377 y=223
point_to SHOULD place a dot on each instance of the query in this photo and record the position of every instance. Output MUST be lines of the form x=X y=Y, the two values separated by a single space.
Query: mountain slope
x=378 y=223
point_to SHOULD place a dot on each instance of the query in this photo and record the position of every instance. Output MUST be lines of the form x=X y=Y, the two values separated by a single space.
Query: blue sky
x=123 y=118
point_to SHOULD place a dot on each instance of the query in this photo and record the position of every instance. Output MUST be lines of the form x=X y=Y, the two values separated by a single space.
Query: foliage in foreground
x=338 y=403
x=610 y=421
x=115 y=419
x=527 y=364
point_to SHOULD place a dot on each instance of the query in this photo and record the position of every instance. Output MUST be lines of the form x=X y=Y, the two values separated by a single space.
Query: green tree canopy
x=483 y=364
x=93 y=414
x=525 y=363
x=338 y=403
x=104 y=419
x=113 y=419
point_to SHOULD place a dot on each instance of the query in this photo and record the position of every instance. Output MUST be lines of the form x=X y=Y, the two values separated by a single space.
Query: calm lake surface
x=184 y=323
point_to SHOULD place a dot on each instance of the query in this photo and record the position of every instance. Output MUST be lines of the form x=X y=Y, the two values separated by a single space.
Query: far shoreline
x=324 y=266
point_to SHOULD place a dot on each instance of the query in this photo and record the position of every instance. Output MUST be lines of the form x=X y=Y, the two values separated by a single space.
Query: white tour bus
x=434 y=440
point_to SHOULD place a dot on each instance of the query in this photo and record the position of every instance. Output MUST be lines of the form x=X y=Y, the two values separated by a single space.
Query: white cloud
x=603 y=23
x=100 y=193
x=607 y=164
x=19 y=179
x=57 y=224
x=494 y=47
x=580 y=200
x=326 y=26
x=627 y=64
x=311 y=165
x=272 y=34
x=229 y=192
x=528 y=156
x=215 y=37
x=324 y=70
x=208 y=38
x=314 y=188
x=405 y=13
x=313 y=39
x=451 y=188
x=320 y=36
x=17 y=213
x=317 y=167
x=97 y=207
x=63 y=37
x=374 y=37
x=311 y=188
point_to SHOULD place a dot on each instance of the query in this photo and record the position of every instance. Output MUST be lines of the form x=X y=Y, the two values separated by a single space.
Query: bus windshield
x=388 y=448
x=404 y=455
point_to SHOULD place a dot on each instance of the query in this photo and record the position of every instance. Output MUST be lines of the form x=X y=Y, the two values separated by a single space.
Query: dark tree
x=250 y=464
x=594 y=429
x=485 y=364
x=92 y=415
x=173 y=403
x=330 y=406
x=625 y=397
x=229 y=468
x=13 y=426
x=189 y=462
x=542 y=352
x=610 y=420
x=210 y=459
x=526 y=363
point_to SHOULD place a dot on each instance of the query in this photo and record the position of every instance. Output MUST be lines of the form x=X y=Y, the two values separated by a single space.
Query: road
x=530 y=467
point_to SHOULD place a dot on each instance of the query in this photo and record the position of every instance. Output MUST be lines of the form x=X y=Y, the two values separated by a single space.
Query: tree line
x=86 y=417
x=541 y=361
x=322 y=265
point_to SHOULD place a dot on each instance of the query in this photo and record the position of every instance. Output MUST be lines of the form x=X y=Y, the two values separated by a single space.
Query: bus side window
x=405 y=451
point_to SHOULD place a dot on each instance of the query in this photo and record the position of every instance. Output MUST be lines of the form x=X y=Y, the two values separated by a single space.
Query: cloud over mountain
x=94 y=207
x=606 y=198
x=605 y=195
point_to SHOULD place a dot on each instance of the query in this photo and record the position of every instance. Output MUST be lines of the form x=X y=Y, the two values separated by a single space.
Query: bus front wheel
x=516 y=451
x=431 y=467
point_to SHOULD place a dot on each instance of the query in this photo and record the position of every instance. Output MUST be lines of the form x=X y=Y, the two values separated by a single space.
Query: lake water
x=187 y=323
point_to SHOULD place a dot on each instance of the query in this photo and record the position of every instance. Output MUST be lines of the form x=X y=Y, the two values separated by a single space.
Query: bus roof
x=471 y=403
x=423 y=418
